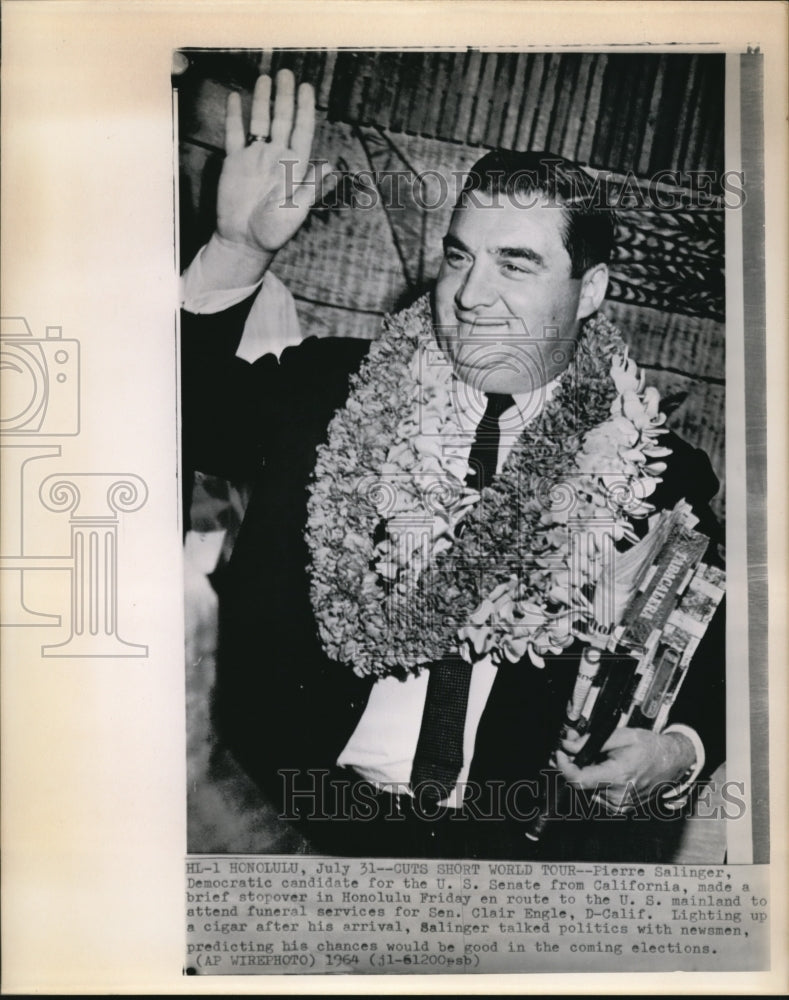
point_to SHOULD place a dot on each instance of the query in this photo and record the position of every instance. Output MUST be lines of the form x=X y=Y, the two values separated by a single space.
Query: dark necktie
x=439 y=750
x=484 y=454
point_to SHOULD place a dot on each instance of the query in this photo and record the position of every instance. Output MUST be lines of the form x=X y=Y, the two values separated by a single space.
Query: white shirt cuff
x=678 y=796
x=221 y=275
x=272 y=323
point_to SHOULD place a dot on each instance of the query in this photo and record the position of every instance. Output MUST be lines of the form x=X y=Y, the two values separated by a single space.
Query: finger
x=317 y=182
x=235 y=138
x=615 y=801
x=570 y=771
x=259 y=122
x=283 y=107
x=572 y=742
x=608 y=772
x=303 y=130
x=623 y=736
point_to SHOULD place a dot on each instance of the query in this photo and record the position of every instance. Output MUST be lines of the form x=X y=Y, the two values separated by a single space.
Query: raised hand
x=268 y=183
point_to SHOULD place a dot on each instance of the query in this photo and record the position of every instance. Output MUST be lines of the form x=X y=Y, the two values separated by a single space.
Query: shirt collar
x=528 y=405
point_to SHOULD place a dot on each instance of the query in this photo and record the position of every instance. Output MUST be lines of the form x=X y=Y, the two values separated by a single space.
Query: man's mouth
x=481 y=321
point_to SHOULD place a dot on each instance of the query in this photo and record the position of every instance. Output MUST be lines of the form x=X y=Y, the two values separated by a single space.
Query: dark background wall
x=630 y=116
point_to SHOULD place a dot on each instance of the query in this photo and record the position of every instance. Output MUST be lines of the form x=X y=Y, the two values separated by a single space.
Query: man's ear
x=593 y=288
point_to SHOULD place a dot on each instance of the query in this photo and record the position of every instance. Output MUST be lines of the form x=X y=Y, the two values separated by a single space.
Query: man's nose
x=476 y=290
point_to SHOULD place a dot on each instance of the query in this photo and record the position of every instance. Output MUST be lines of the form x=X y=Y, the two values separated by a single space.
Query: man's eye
x=515 y=270
x=454 y=258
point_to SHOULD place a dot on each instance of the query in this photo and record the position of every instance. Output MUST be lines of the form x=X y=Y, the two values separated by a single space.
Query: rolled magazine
x=660 y=597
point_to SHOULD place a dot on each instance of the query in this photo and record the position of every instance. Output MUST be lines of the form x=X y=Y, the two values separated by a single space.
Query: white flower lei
x=394 y=586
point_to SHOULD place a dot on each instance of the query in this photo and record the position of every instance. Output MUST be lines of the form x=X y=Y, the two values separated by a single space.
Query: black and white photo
x=455 y=343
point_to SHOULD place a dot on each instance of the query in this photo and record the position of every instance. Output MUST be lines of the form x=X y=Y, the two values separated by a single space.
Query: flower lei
x=394 y=584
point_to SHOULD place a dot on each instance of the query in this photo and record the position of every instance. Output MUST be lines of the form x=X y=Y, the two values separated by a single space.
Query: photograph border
x=93 y=748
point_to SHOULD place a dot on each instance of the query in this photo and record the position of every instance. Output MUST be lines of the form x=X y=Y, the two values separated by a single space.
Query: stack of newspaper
x=660 y=598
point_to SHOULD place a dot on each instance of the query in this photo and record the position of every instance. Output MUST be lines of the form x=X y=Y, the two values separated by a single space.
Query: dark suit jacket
x=280 y=703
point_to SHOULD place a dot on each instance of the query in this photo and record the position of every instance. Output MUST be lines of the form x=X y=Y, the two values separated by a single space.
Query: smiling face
x=507 y=309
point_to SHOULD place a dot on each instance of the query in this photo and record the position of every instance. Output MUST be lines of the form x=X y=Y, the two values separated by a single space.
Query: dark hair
x=588 y=231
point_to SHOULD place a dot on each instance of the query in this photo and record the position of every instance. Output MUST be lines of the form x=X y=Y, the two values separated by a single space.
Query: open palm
x=268 y=185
